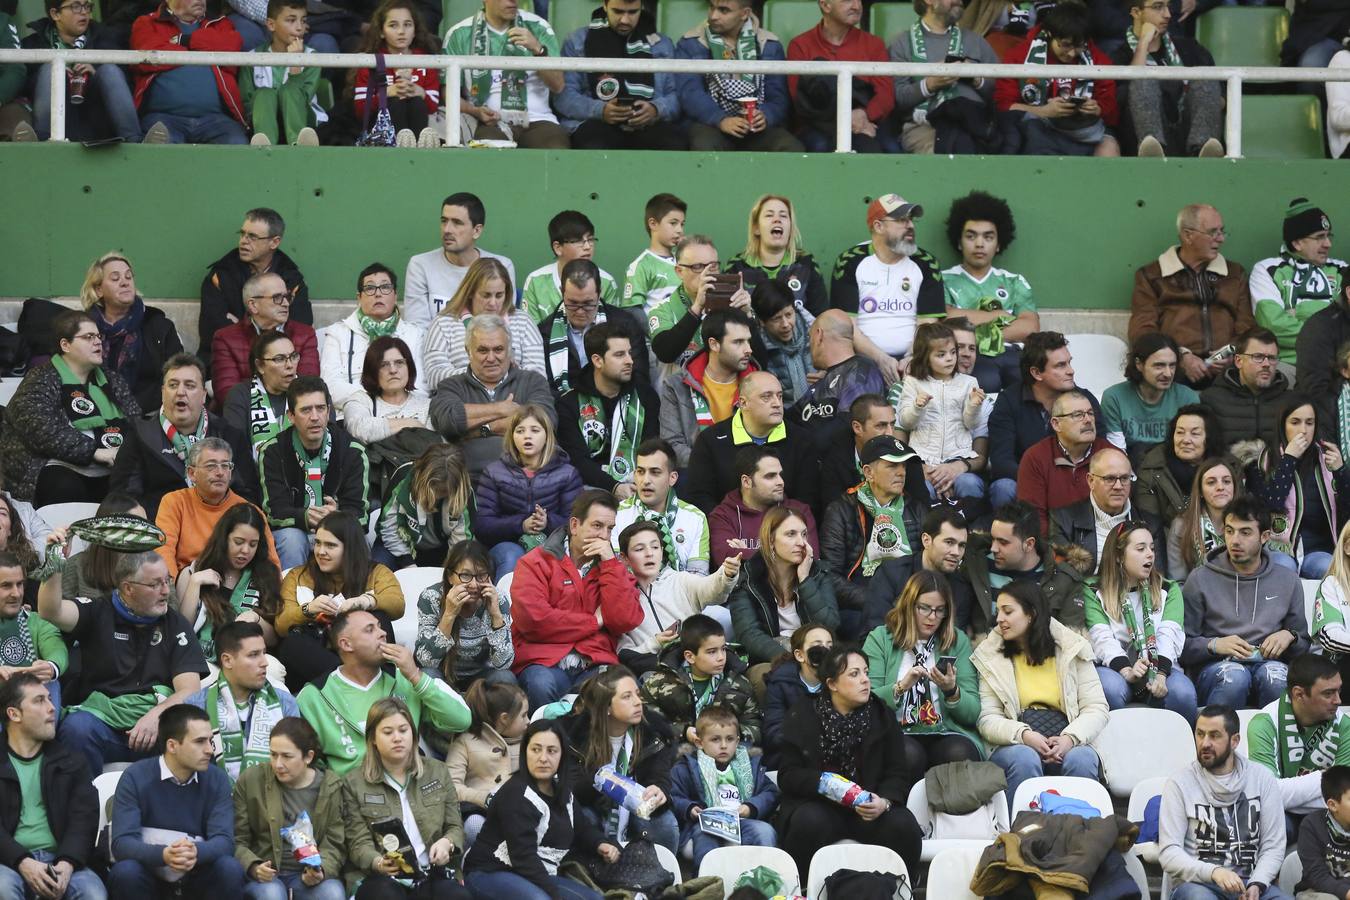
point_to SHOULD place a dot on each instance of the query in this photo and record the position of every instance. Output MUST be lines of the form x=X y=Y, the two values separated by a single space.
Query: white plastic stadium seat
x=1290 y=873
x=1098 y=361
x=995 y=811
x=105 y=785
x=8 y=387
x=730 y=863
x=60 y=515
x=669 y=862
x=1136 y=870
x=860 y=857
x=950 y=873
x=1143 y=792
x=1245 y=717
x=1310 y=586
x=412 y=581
x=1126 y=760
x=1084 y=789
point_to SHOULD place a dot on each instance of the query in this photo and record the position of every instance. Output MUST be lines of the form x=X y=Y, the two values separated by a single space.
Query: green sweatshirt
x=338 y=711
x=275 y=100
x=45 y=637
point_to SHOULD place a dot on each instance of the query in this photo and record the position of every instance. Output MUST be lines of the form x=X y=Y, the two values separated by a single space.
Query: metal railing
x=452 y=68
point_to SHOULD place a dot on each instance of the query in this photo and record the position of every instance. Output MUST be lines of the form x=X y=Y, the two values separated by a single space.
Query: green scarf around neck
x=102 y=412
x=740 y=770
x=231 y=751
x=1143 y=639
x=513 y=96
x=1302 y=751
x=888 y=539
x=918 y=51
x=181 y=442
x=263 y=421
x=373 y=328
x=316 y=466
x=622 y=435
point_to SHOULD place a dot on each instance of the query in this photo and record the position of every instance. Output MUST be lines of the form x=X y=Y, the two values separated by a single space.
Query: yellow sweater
x=1037 y=685
x=380 y=582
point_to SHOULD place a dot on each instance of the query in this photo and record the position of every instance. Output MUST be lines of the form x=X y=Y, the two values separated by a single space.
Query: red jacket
x=230 y=348
x=428 y=79
x=159 y=31
x=731 y=520
x=859 y=45
x=553 y=608
x=1008 y=91
x=1047 y=480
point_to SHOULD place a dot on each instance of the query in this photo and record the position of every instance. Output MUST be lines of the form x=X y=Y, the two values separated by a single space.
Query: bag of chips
x=300 y=837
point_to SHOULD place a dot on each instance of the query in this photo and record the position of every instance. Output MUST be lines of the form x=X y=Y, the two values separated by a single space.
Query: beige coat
x=479 y=765
x=1000 y=707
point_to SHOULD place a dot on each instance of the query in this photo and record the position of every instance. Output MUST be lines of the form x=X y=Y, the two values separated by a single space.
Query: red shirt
x=428 y=79
x=1008 y=91
x=858 y=46
x=1048 y=480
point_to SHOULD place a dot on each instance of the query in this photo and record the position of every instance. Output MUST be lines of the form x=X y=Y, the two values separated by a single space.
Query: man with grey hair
x=140 y=656
x=153 y=458
x=1053 y=472
x=473 y=407
x=1194 y=295
x=188 y=516
x=268 y=304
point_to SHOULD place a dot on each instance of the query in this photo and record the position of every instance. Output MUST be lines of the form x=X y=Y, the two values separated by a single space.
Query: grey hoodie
x=1234 y=821
x=1220 y=602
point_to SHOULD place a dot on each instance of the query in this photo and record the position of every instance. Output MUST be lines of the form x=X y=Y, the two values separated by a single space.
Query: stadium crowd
x=709 y=522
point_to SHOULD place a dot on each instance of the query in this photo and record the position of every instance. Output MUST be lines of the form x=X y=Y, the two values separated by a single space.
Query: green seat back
x=1244 y=35
x=1282 y=127
x=789 y=18
x=28 y=11
x=566 y=16
x=455 y=11
x=323 y=92
x=889 y=19
x=675 y=17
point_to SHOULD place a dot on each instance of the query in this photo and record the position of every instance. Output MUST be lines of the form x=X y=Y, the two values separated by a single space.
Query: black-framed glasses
x=377 y=290
x=282 y=359
x=587 y=306
x=698 y=268
x=1116 y=479
x=923 y=609
x=589 y=240
x=470 y=577
x=1262 y=359
x=278 y=299
x=78 y=7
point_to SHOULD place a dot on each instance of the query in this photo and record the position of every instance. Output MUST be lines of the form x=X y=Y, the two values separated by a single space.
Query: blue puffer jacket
x=506 y=497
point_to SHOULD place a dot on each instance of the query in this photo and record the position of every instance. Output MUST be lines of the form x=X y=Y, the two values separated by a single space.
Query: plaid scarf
x=709 y=776
x=841 y=736
x=1143 y=640
x=263 y=423
x=727 y=90
x=377 y=328
x=513 y=83
x=1036 y=91
x=316 y=466
x=25 y=635
x=622 y=435
x=888 y=539
x=1302 y=751
x=180 y=442
x=232 y=751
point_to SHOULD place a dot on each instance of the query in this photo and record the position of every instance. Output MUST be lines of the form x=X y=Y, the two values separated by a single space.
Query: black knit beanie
x=1302 y=219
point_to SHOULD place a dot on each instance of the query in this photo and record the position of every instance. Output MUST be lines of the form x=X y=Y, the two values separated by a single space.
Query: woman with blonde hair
x=485 y=290
x=1136 y=623
x=137 y=339
x=919 y=665
x=395 y=785
x=1330 y=623
x=773 y=252
x=1199 y=528
x=526 y=495
x=430 y=507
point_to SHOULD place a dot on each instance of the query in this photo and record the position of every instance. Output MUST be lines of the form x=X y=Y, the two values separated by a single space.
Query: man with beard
x=1221 y=823
x=705 y=391
x=888 y=284
x=1248 y=395
x=433 y=277
x=632 y=111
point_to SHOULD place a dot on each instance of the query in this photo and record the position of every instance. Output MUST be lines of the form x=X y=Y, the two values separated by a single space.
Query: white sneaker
x=307 y=137
x=1212 y=149
x=158 y=134
x=405 y=138
x=428 y=139
x=1149 y=148
x=23 y=134
x=260 y=140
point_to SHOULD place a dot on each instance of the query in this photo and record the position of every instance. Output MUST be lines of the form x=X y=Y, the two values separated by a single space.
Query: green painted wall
x=1083 y=225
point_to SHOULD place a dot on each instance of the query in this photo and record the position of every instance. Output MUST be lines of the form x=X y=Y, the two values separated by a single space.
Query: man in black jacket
x=758 y=419
x=869 y=416
x=1088 y=522
x=1248 y=395
x=309 y=470
x=152 y=461
x=48 y=806
x=1318 y=341
x=259 y=251
x=564 y=332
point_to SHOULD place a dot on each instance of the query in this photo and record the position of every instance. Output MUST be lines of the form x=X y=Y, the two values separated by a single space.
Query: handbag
x=381 y=134
x=1044 y=720
x=638 y=869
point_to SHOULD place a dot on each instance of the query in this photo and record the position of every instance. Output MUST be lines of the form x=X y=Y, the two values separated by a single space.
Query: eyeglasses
x=1261 y=359
x=377 y=290
x=215 y=466
x=254 y=238
x=390 y=365
x=92 y=337
x=589 y=240
x=1115 y=479
x=1077 y=415
x=698 y=267
x=468 y=577
x=79 y=7
x=925 y=610
x=278 y=299
x=588 y=306
x=159 y=584
x=282 y=359
x=1212 y=233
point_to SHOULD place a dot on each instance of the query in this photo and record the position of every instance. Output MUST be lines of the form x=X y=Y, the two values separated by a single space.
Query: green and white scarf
x=558 y=344
x=513 y=97
x=316 y=466
x=1035 y=92
x=703 y=699
x=617 y=819
x=242 y=597
x=1144 y=640
x=26 y=635
x=1298 y=280
x=710 y=775
x=373 y=328
x=413 y=523
x=1304 y=751
x=88 y=406
x=233 y=750
x=1170 y=55
x=179 y=441
x=1210 y=537
x=728 y=89
x=623 y=434
x=665 y=522
x=1343 y=415
x=918 y=51
x=263 y=422
x=888 y=539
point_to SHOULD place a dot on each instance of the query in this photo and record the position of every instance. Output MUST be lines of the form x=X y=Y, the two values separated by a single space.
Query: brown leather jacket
x=1165 y=299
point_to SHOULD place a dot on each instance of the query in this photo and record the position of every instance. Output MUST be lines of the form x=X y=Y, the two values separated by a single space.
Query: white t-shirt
x=789 y=620
x=431 y=282
x=888 y=303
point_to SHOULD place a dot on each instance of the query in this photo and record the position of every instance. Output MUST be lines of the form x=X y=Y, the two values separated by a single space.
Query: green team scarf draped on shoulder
x=513 y=95
x=1278 y=743
x=888 y=539
x=918 y=50
x=97 y=411
x=231 y=752
x=315 y=467
x=623 y=434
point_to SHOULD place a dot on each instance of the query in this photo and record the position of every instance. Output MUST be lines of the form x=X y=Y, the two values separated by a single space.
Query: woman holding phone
x=919 y=665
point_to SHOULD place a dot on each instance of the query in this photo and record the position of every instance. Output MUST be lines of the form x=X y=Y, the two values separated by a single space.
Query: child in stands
x=413 y=95
x=279 y=100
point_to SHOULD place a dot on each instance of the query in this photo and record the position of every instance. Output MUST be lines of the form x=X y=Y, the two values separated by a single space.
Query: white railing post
x=450 y=94
x=843 y=111
x=58 y=104
x=1233 y=118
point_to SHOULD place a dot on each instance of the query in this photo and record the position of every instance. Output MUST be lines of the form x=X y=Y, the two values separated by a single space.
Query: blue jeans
x=287 y=885
x=213 y=128
x=84 y=884
x=108 y=84
x=510 y=886
x=504 y=557
x=100 y=744
x=1194 y=890
x=544 y=684
x=1002 y=492
x=1019 y=762
x=1231 y=683
x=966 y=487
x=222 y=878
x=1180 y=692
x=1319 y=55
x=659 y=829
x=1315 y=565
x=754 y=833
x=293 y=546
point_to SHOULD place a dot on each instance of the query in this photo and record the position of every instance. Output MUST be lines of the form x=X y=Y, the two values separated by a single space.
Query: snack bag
x=624 y=791
x=300 y=837
x=842 y=791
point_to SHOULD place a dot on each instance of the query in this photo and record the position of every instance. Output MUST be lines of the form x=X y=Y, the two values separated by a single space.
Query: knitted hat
x=1302 y=219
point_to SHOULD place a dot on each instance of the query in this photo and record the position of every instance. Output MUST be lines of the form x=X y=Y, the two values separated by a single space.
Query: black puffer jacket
x=72 y=806
x=1246 y=415
x=843 y=538
x=754 y=611
x=653 y=766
